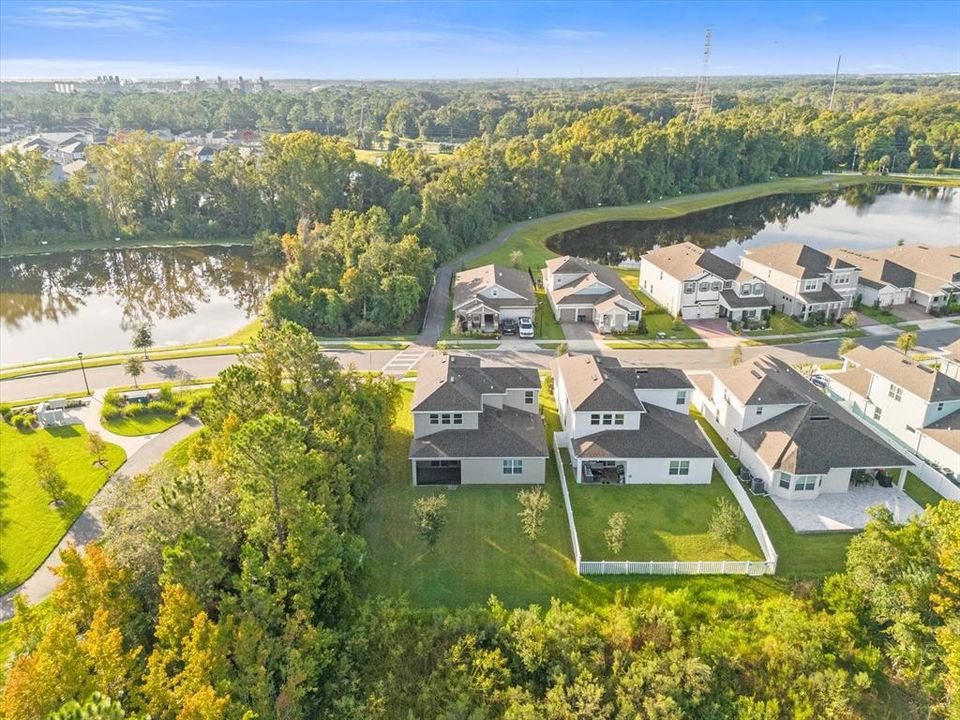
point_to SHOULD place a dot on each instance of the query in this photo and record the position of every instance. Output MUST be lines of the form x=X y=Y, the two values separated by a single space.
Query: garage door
x=690 y=312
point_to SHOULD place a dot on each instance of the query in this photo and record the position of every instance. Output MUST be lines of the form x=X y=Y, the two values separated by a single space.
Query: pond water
x=91 y=301
x=863 y=217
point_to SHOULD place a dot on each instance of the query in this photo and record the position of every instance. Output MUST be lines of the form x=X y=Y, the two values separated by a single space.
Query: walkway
x=88 y=526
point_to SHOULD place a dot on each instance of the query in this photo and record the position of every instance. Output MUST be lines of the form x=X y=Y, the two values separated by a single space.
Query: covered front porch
x=839 y=512
x=479 y=318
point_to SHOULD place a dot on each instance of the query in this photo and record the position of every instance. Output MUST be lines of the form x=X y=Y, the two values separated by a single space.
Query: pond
x=864 y=217
x=59 y=304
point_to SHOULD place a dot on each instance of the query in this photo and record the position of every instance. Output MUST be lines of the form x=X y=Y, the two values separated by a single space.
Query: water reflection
x=864 y=217
x=56 y=304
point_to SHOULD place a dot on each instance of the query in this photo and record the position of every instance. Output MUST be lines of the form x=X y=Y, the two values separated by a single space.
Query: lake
x=864 y=217
x=91 y=301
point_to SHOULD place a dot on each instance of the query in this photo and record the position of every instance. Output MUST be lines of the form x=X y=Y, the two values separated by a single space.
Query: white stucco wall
x=656 y=471
x=489 y=471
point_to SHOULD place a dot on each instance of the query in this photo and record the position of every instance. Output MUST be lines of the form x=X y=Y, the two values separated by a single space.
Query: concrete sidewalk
x=88 y=527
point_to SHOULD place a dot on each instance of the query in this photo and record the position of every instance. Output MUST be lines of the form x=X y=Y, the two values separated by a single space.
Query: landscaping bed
x=160 y=412
x=31 y=526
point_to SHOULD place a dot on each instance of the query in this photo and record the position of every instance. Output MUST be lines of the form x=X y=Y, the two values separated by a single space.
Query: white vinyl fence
x=673 y=567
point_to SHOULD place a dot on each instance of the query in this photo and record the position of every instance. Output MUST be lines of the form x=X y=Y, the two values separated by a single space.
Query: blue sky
x=364 y=40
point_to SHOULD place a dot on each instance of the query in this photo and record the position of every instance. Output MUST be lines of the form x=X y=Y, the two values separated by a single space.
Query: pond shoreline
x=17 y=251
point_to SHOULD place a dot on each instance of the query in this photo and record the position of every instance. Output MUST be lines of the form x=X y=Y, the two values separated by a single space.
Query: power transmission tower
x=702 y=99
x=834 y=90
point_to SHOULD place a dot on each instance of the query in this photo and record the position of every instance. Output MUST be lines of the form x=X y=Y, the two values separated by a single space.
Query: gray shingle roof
x=602 y=383
x=737 y=302
x=570 y=294
x=499 y=433
x=796 y=259
x=456 y=382
x=662 y=434
x=470 y=282
x=815 y=437
x=824 y=295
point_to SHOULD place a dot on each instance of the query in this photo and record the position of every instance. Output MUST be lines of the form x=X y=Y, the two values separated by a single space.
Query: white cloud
x=571 y=34
x=94 y=15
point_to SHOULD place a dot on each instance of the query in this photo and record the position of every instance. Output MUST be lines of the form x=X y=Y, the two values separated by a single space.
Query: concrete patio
x=845 y=511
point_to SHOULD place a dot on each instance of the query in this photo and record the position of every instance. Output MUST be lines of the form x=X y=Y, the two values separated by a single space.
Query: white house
x=802 y=281
x=484 y=296
x=476 y=424
x=917 y=404
x=584 y=291
x=695 y=284
x=628 y=424
x=789 y=434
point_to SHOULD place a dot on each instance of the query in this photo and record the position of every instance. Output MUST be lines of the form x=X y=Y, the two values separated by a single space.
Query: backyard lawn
x=666 y=522
x=31 y=528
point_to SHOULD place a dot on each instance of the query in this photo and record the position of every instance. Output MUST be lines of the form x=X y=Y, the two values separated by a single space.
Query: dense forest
x=232 y=588
x=343 y=223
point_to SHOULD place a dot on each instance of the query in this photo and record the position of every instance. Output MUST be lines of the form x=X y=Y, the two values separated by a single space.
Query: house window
x=528 y=396
x=727 y=284
x=841 y=279
x=689 y=287
x=805 y=483
x=434 y=419
x=679 y=467
x=715 y=286
x=681 y=397
x=876 y=413
x=785 y=481
x=513 y=467
x=759 y=409
x=704 y=286
x=458 y=418
x=661 y=274
x=607 y=419
x=618 y=418
x=939 y=407
x=595 y=419
x=758 y=289
x=896 y=392
x=810 y=284
x=445 y=419
x=633 y=316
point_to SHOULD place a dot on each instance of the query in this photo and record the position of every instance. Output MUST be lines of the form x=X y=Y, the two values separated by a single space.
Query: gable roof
x=933 y=267
x=602 y=383
x=764 y=381
x=468 y=283
x=592 y=272
x=945 y=431
x=686 y=260
x=796 y=259
x=567 y=264
x=507 y=433
x=663 y=434
x=923 y=381
x=458 y=382
x=874 y=270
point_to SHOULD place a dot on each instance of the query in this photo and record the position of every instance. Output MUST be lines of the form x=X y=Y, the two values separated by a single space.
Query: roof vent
x=757 y=374
x=642 y=371
x=819 y=417
x=453 y=378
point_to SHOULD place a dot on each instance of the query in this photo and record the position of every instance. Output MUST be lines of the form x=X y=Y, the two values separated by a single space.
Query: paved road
x=88 y=526
x=817 y=350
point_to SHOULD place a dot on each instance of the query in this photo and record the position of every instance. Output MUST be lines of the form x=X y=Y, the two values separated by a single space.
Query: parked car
x=821 y=381
x=526 y=327
x=508 y=326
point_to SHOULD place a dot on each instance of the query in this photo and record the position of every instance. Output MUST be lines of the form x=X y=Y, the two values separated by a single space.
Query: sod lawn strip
x=31 y=527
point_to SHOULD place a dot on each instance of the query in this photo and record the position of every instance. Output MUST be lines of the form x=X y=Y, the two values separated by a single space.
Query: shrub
x=534 y=504
x=166 y=392
x=616 y=532
x=429 y=516
x=23 y=421
x=6 y=410
x=725 y=522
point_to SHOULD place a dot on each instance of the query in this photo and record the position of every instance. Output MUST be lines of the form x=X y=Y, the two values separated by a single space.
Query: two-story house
x=917 y=404
x=584 y=291
x=484 y=296
x=631 y=425
x=694 y=283
x=802 y=281
x=476 y=424
x=786 y=432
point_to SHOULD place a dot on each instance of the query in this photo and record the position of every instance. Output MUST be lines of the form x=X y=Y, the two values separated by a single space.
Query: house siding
x=489 y=471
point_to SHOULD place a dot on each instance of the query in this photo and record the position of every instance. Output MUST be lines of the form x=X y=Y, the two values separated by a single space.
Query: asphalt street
x=51 y=384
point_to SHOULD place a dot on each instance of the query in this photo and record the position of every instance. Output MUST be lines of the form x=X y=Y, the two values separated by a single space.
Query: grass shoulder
x=32 y=527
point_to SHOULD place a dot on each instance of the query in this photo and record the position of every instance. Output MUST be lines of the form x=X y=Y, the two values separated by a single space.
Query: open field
x=31 y=528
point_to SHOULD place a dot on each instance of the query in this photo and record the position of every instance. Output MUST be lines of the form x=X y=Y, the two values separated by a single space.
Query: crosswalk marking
x=403 y=361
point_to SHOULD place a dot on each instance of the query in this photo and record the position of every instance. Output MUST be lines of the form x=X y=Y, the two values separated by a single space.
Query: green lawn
x=179 y=454
x=810 y=554
x=920 y=492
x=666 y=522
x=880 y=315
x=146 y=423
x=654 y=316
x=29 y=527
x=781 y=324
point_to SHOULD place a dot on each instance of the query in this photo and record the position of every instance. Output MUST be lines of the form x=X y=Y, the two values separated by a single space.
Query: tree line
x=551 y=161
x=234 y=588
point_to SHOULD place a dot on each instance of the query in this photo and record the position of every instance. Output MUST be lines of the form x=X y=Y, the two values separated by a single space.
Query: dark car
x=508 y=326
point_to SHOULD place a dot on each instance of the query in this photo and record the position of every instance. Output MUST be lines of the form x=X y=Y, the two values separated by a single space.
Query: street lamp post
x=84 y=371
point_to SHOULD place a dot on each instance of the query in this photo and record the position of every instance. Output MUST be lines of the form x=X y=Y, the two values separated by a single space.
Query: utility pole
x=835 y=76
x=702 y=99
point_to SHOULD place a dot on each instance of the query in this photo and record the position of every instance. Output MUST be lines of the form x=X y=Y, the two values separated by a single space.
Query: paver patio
x=845 y=511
